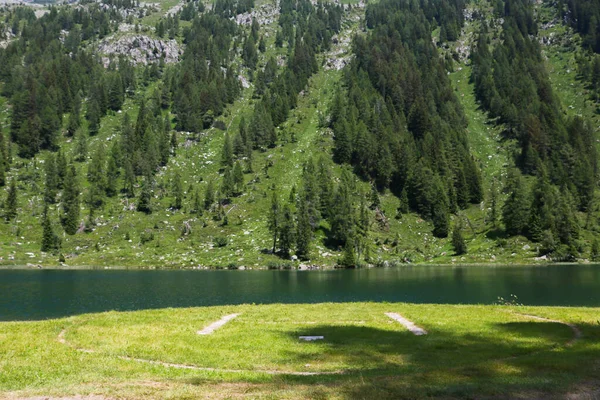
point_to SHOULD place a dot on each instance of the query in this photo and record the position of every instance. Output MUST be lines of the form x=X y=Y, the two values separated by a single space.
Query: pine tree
x=227 y=185
x=342 y=215
x=11 y=201
x=97 y=178
x=209 y=195
x=595 y=252
x=81 y=147
x=227 y=152
x=515 y=211
x=50 y=241
x=303 y=231
x=458 y=242
x=238 y=178
x=61 y=169
x=274 y=219
x=112 y=175
x=493 y=214
x=287 y=231
x=196 y=203
x=129 y=179
x=70 y=202
x=177 y=192
x=174 y=142
x=51 y=188
x=348 y=256
x=145 y=200
x=375 y=201
x=2 y=172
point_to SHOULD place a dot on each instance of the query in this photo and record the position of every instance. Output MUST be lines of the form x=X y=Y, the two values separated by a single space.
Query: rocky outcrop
x=140 y=49
x=266 y=14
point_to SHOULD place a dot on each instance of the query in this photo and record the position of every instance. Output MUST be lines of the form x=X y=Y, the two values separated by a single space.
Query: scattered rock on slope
x=140 y=49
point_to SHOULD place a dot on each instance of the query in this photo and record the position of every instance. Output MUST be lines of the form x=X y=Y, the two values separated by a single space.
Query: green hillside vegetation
x=251 y=151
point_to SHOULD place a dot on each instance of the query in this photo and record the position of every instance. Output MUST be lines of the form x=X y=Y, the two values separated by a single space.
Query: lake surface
x=40 y=294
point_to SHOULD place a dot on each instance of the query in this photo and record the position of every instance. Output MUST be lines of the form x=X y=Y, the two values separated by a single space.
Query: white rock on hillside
x=140 y=49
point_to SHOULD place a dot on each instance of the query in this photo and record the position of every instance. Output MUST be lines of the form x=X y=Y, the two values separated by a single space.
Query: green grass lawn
x=469 y=352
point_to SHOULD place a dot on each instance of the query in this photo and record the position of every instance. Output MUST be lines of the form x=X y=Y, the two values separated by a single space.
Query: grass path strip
x=407 y=324
x=61 y=339
x=576 y=331
x=216 y=325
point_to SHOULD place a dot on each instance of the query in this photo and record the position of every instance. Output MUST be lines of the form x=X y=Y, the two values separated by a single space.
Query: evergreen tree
x=50 y=241
x=227 y=186
x=81 y=147
x=274 y=219
x=303 y=230
x=70 y=202
x=238 y=178
x=209 y=195
x=196 y=203
x=145 y=200
x=342 y=222
x=112 y=175
x=348 y=255
x=129 y=179
x=2 y=172
x=11 y=201
x=375 y=201
x=51 y=188
x=458 y=242
x=515 y=211
x=287 y=231
x=494 y=198
x=174 y=142
x=595 y=252
x=61 y=169
x=227 y=152
x=177 y=192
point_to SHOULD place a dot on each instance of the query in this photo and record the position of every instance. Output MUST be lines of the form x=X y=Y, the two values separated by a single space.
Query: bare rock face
x=265 y=14
x=140 y=49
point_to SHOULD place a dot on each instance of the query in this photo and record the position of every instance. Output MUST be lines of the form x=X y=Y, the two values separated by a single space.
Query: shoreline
x=266 y=268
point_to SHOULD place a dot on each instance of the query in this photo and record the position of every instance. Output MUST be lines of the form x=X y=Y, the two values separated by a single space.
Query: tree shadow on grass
x=515 y=359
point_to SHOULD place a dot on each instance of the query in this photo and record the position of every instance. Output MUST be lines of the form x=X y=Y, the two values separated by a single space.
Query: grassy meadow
x=469 y=352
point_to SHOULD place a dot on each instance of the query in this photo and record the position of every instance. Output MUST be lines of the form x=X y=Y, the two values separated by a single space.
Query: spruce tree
x=11 y=201
x=515 y=211
x=70 y=202
x=129 y=179
x=375 y=201
x=342 y=214
x=61 y=169
x=348 y=255
x=51 y=186
x=177 y=192
x=238 y=178
x=145 y=200
x=595 y=252
x=2 y=172
x=227 y=185
x=274 y=219
x=50 y=241
x=197 y=203
x=303 y=231
x=209 y=195
x=458 y=241
x=112 y=175
x=81 y=147
x=227 y=152
x=287 y=231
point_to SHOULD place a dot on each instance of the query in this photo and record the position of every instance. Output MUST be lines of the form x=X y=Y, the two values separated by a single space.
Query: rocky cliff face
x=140 y=49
